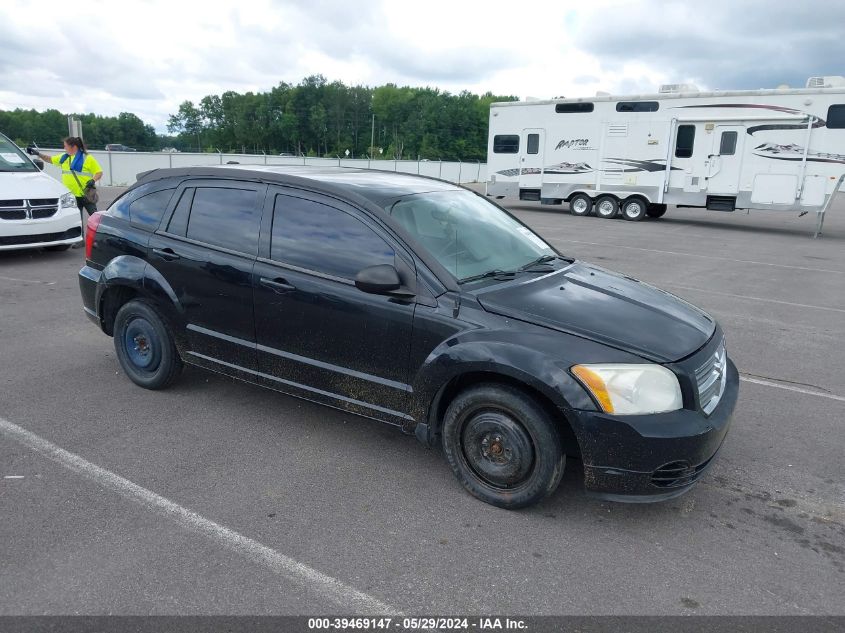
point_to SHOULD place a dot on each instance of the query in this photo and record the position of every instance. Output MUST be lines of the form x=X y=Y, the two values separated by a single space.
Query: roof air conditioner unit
x=834 y=81
x=665 y=88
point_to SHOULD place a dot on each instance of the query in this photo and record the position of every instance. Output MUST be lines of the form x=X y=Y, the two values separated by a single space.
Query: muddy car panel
x=399 y=358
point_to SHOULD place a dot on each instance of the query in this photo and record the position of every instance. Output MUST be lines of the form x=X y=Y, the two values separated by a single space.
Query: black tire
x=634 y=209
x=145 y=348
x=606 y=207
x=580 y=204
x=502 y=446
x=57 y=248
x=656 y=210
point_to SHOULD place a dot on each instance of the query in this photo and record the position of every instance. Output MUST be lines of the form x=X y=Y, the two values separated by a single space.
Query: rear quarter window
x=144 y=206
x=146 y=212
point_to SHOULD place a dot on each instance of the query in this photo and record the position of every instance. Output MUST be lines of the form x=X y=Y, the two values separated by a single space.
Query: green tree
x=188 y=120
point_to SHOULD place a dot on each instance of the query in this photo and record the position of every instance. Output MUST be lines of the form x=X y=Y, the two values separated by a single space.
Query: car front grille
x=710 y=379
x=677 y=474
x=32 y=209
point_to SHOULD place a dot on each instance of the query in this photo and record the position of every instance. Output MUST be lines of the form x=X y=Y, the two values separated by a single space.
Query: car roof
x=378 y=187
x=370 y=188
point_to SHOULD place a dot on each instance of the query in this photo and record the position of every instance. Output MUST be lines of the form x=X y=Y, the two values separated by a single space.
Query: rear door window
x=225 y=217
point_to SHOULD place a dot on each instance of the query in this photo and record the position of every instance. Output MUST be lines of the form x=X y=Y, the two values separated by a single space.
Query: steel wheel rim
x=497 y=448
x=580 y=205
x=606 y=207
x=141 y=344
x=633 y=209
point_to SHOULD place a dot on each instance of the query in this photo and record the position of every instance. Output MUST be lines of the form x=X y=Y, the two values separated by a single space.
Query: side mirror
x=379 y=279
x=38 y=163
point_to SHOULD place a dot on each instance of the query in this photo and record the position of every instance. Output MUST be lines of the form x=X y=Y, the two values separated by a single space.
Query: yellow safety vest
x=90 y=166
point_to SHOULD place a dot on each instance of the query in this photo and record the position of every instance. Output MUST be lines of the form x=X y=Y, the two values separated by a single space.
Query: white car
x=36 y=211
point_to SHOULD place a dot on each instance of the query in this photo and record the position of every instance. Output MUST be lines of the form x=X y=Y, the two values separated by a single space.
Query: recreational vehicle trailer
x=762 y=149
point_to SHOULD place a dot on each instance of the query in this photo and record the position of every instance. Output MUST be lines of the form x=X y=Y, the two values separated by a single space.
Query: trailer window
x=836 y=116
x=533 y=144
x=506 y=144
x=564 y=108
x=637 y=106
x=727 y=145
x=686 y=138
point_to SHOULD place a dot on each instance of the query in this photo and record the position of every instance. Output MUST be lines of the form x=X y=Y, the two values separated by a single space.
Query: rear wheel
x=145 y=348
x=580 y=204
x=656 y=210
x=502 y=446
x=607 y=207
x=634 y=209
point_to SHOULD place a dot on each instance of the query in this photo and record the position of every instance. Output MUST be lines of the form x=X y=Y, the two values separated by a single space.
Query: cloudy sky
x=148 y=56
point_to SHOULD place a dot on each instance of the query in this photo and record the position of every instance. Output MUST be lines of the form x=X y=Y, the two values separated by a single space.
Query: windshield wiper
x=490 y=273
x=497 y=272
x=543 y=259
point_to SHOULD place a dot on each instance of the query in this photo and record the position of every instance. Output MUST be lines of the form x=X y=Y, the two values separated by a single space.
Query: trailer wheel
x=607 y=208
x=580 y=204
x=634 y=209
x=655 y=210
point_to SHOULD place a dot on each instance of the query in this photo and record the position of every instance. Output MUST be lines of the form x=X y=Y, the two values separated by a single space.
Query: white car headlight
x=68 y=200
x=631 y=389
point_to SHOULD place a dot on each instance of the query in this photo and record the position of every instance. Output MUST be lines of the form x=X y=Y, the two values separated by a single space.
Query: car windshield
x=468 y=235
x=12 y=158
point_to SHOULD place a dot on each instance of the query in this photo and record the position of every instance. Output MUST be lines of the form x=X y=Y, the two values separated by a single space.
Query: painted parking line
x=724 y=259
x=750 y=298
x=327 y=587
x=780 y=385
x=28 y=281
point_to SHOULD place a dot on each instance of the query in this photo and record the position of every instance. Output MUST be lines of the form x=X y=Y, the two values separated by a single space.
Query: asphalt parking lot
x=352 y=515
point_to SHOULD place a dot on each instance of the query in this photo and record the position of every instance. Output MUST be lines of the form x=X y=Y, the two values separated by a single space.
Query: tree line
x=313 y=118
x=48 y=128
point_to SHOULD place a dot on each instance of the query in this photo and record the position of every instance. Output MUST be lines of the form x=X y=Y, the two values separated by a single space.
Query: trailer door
x=531 y=158
x=725 y=160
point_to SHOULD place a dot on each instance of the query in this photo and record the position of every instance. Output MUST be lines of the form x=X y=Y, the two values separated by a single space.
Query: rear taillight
x=91 y=232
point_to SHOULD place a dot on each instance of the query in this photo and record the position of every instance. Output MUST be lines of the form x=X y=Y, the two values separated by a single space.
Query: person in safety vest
x=80 y=171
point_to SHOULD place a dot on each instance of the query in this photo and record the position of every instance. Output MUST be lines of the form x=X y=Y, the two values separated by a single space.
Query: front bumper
x=65 y=227
x=645 y=458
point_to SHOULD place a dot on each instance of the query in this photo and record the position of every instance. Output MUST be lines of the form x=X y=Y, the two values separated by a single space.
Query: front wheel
x=502 y=446
x=145 y=348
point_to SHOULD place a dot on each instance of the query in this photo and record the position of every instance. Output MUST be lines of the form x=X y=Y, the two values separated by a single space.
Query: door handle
x=167 y=254
x=277 y=285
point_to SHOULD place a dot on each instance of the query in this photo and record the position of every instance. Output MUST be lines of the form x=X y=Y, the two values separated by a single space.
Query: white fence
x=121 y=168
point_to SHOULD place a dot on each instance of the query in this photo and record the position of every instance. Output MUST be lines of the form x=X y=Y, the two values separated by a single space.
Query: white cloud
x=147 y=57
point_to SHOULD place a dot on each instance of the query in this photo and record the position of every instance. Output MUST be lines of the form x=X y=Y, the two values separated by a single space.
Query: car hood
x=29 y=184
x=606 y=307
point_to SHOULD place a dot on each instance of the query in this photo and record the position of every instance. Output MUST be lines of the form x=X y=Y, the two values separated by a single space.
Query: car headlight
x=68 y=200
x=631 y=389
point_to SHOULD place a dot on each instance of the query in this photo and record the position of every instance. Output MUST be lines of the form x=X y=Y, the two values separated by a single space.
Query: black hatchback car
x=421 y=304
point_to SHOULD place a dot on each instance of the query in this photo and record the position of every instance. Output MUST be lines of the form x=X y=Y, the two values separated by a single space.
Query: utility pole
x=373 y=134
